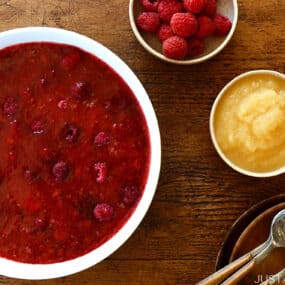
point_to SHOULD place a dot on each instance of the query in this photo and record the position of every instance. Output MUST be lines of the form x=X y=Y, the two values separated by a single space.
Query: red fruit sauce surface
x=74 y=152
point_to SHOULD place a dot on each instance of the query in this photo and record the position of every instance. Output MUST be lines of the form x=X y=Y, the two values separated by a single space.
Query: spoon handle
x=240 y=274
x=222 y=274
x=243 y=271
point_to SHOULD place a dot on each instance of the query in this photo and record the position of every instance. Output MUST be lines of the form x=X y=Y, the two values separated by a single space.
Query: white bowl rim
x=187 y=61
x=20 y=270
x=212 y=119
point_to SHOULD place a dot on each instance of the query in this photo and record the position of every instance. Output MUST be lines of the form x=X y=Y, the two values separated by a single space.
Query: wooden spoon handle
x=240 y=274
x=223 y=273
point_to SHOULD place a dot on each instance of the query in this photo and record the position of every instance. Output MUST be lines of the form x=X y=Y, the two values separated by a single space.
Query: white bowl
x=214 y=45
x=212 y=121
x=46 y=271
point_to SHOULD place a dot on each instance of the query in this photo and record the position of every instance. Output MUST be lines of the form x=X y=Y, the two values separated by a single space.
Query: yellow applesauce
x=249 y=123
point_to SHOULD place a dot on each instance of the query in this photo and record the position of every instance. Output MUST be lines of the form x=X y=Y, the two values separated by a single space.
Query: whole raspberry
x=222 y=25
x=80 y=90
x=130 y=195
x=62 y=104
x=210 y=8
x=41 y=223
x=148 y=22
x=150 y=5
x=60 y=171
x=184 y=24
x=175 y=47
x=71 y=132
x=101 y=139
x=100 y=170
x=166 y=8
x=103 y=212
x=206 y=27
x=38 y=126
x=195 y=47
x=194 y=6
x=10 y=106
x=164 y=32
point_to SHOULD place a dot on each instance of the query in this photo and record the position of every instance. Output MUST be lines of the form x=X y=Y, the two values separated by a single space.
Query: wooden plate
x=249 y=231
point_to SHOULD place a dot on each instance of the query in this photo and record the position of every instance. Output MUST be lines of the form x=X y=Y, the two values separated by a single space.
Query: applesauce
x=249 y=122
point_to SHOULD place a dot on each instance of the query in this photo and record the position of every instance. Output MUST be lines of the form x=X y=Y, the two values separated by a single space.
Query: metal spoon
x=244 y=264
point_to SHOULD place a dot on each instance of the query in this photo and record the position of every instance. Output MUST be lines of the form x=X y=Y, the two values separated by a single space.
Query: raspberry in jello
x=73 y=143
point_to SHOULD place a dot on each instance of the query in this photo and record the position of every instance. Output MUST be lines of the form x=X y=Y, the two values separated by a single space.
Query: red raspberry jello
x=74 y=150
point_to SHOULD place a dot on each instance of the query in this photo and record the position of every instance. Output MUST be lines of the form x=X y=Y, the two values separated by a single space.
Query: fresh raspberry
x=70 y=60
x=103 y=212
x=206 y=27
x=10 y=106
x=130 y=195
x=184 y=24
x=164 y=32
x=60 y=171
x=222 y=25
x=148 y=22
x=100 y=169
x=194 y=6
x=37 y=126
x=210 y=8
x=101 y=139
x=71 y=132
x=150 y=5
x=195 y=47
x=175 y=47
x=166 y=8
x=80 y=90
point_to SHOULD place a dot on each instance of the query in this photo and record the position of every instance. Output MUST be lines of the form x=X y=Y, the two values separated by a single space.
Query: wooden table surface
x=198 y=196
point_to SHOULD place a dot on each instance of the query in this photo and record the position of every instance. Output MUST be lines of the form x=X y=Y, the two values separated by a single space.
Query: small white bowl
x=213 y=45
x=212 y=121
x=46 y=271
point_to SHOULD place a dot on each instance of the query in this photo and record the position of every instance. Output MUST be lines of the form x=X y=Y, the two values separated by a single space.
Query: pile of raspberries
x=182 y=25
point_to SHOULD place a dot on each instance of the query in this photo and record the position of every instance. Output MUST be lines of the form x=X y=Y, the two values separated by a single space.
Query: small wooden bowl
x=213 y=45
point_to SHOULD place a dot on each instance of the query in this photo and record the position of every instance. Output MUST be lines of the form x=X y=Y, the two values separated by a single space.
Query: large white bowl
x=46 y=271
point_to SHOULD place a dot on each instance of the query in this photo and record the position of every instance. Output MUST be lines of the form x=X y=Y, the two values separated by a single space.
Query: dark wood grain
x=198 y=197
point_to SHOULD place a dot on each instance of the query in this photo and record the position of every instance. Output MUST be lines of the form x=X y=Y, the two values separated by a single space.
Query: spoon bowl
x=278 y=229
